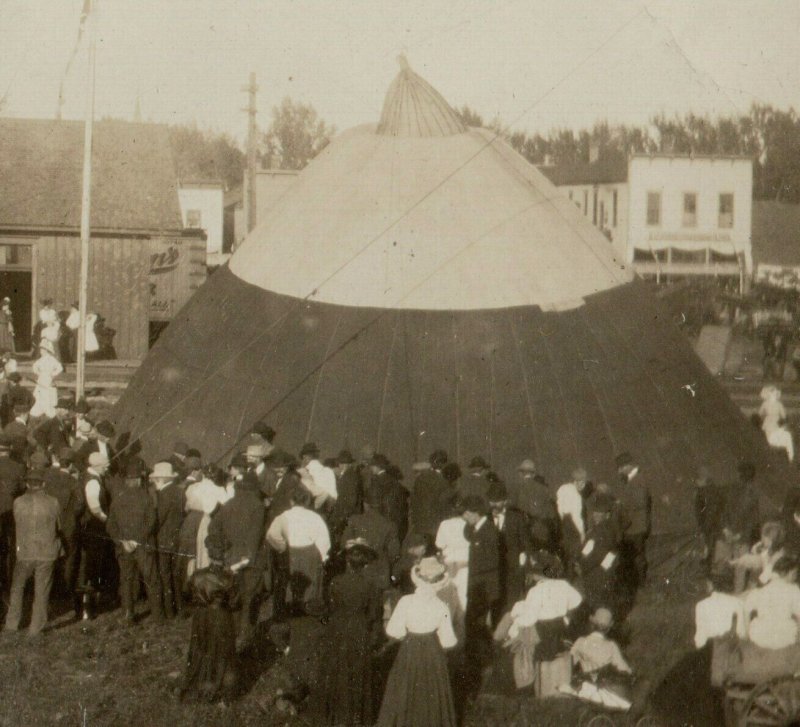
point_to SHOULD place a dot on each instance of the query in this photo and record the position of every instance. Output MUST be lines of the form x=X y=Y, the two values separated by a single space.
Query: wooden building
x=143 y=264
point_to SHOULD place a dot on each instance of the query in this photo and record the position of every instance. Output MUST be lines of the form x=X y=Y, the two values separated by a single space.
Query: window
x=726 y=210
x=654 y=209
x=585 y=201
x=602 y=214
x=614 y=210
x=689 y=209
x=194 y=219
x=594 y=207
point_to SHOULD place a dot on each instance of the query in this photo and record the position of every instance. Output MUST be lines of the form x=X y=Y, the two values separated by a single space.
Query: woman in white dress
x=46 y=368
x=455 y=553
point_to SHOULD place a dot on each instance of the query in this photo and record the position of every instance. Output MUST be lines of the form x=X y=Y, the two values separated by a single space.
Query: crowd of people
x=404 y=590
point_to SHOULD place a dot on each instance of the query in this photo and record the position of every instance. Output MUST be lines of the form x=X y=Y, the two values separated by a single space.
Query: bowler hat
x=379 y=460
x=497 y=492
x=192 y=452
x=478 y=463
x=35 y=475
x=279 y=458
x=105 y=428
x=309 y=448
x=238 y=460
x=193 y=463
x=345 y=457
x=623 y=460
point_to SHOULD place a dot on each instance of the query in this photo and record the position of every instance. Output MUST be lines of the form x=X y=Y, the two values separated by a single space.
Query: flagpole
x=86 y=199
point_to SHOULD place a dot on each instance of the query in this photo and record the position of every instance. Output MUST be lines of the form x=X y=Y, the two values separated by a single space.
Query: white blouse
x=422 y=613
x=548 y=599
x=451 y=541
x=299 y=527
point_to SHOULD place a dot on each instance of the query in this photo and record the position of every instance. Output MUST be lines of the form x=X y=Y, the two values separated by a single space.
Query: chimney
x=594 y=152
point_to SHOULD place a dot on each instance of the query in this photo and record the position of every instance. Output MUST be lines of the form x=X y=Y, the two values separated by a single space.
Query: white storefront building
x=667 y=215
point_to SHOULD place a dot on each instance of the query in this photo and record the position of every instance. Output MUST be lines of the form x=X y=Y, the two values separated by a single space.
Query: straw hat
x=430 y=573
x=163 y=471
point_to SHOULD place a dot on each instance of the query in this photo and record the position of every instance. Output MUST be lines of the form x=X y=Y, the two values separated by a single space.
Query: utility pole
x=252 y=149
x=86 y=199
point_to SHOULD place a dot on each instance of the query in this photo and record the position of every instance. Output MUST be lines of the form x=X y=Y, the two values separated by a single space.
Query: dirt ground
x=111 y=674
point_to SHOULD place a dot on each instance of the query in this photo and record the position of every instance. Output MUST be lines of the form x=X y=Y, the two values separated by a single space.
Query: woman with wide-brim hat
x=418 y=692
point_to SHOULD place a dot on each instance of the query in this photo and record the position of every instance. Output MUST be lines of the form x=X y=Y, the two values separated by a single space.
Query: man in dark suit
x=348 y=487
x=379 y=532
x=431 y=498
x=18 y=429
x=170 y=503
x=99 y=441
x=476 y=481
x=237 y=530
x=61 y=482
x=12 y=484
x=391 y=494
x=52 y=435
x=483 y=581
x=515 y=541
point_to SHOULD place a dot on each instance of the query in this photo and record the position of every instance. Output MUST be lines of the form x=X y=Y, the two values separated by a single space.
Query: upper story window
x=654 y=209
x=725 y=210
x=585 y=201
x=614 y=210
x=194 y=219
x=690 y=209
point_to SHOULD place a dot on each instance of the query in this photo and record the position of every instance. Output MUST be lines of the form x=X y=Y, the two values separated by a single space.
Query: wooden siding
x=177 y=269
x=118 y=284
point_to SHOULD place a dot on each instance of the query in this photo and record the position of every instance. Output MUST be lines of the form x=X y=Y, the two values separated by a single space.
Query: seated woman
x=765 y=553
x=772 y=612
x=604 y=674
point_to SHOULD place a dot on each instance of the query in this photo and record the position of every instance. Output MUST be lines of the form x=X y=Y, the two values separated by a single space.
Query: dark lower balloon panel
x=568 y=388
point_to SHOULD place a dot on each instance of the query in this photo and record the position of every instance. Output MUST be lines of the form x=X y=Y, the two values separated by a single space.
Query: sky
x=534 y=64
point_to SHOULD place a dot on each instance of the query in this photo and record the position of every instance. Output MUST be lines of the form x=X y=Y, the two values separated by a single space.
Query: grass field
x=111 y=674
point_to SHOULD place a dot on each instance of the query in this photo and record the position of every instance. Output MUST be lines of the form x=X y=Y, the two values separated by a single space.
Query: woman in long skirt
x=418 y=692
x=346 y=675
x=211 y=664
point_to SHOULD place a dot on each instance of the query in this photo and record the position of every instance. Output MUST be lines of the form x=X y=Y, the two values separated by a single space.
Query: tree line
x=296 y=134
x=769 y=136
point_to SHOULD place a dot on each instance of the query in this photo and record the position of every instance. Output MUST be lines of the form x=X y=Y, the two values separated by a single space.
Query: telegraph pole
x=252 y=149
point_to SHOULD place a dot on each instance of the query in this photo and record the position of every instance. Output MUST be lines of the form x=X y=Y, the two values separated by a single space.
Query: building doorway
x=18 y=285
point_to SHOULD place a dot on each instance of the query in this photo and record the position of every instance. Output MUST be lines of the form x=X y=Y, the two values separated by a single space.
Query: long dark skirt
x=418 y=692
x=305 y=574
x=211 y=664
x=346 y=673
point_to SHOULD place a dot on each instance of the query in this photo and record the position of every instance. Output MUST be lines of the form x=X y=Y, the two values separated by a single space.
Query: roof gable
x=134 y=185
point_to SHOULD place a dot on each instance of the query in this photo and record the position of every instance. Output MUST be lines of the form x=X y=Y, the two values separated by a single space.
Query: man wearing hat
x=514 y=538
x=475 y=483
x=99 y=441
x=37 y=526
x=18 y=429
x=12 y=484
x=256 y=454
x=178 y=458
x=263 y=434
x=571 y=505
x=170 y=502
x=319 y=480
x=599 y=558
x=237 y=530
x=132 y=525
x=97 y=565
x=532 y=496
x=348 y=488
x=379 y=532
x=393 y=498
x=52 y=435
x=431 y=498
x=286 y=479
x=483 y=579
x=61 y=482
x=636 y=507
